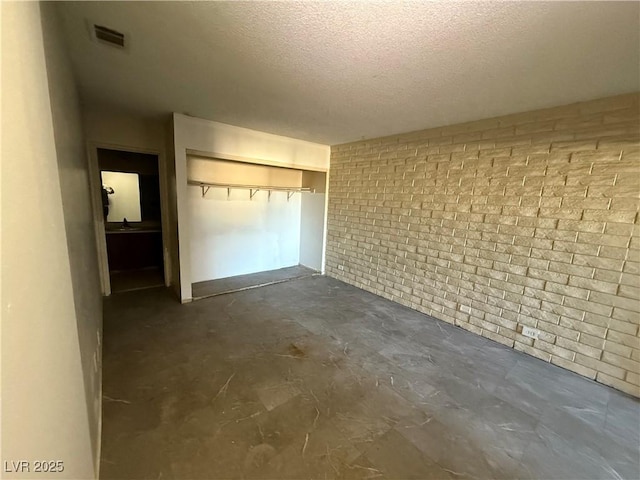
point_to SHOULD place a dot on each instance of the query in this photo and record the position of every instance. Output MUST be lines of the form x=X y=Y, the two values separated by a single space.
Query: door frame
x=95 y=185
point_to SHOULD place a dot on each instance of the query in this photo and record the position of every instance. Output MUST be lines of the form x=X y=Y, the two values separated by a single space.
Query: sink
x=124 y=229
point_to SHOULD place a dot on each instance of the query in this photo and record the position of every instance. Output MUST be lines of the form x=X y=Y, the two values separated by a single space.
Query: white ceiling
x=332 y=72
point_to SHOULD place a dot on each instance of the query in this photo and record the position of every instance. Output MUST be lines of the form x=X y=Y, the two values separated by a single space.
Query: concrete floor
x=313 y=378
x=211 y=288
x=127 y=280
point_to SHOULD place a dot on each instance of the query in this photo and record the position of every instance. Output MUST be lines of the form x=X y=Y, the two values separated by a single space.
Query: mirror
x=121 y=196
x=131 y=188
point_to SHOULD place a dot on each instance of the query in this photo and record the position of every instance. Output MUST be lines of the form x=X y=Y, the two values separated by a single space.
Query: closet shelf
x=253 y=189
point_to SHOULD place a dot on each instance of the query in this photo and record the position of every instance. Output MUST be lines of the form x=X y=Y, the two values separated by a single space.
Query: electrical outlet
x=465 y=308
x=340 y=267
x=530 y=332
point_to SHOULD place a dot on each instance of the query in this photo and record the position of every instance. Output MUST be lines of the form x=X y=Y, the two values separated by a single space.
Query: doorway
x=130 y=201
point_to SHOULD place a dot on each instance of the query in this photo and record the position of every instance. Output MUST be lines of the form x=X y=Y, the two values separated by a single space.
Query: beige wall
x=44 y=401
x=106 y=126
x=76 y=200
x=172 y=207
x=524 y=220
x=237 y=173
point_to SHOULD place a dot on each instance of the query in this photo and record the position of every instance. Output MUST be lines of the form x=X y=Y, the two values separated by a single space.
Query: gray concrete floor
x=211 y=288
x=313 y=378
x=127 y=280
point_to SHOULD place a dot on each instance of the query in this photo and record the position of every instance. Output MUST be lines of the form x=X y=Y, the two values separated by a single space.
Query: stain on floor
x=314 y=378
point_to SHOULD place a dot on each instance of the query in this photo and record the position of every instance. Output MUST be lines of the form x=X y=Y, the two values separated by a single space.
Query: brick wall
x=523 y=220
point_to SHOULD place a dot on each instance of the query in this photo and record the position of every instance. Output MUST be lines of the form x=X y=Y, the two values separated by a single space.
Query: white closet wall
x=234 y=234
x=312 y=229
x=214 y=140
x=312 y=220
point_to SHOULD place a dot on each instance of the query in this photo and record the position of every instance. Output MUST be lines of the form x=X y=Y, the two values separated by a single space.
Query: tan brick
x=554 y=350
x=582 y=327
x=574 y=367
x=572 y=270
x=557 y=330
x=630 y=280
x=617 y=253
x=574 y=247
x=625 y=204
x=596 y=262
x=579 y=347
x=586 y=202
x=566 y=290
x=562 y=213
x=609 y=216
x=588 y=283
x=592 y=341
x=597 y=319
x=619 y=190
x=615 y=301
x=623 y=339
x=618 y=361
x=585 y=307
x=607 y=276
x=618 y=349
x=630 y=316
x=574 y=146
x=535 y=352
x=557 y=278
x=604 y=240
x=633 y=378
x=629 y=291
x=525 y=223
x=581 y=226
x=619 y=384
x=574 y=179
x=599 y=366
x=618 y=229
x=633 y=255
x=623 y=327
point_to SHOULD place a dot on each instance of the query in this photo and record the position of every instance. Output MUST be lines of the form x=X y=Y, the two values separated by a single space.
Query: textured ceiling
x=332 y=72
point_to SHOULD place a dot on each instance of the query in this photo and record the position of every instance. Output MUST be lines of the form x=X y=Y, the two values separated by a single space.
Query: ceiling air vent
x=107 y=35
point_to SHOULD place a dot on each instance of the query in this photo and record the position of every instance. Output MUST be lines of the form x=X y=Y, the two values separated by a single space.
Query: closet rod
x=253 y=189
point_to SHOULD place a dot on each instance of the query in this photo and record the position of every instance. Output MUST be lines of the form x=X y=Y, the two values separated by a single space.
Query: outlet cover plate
x=530 y=332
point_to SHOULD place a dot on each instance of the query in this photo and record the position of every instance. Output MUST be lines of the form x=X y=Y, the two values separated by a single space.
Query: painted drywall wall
x=44 y=408
x=238 y=173
x=525 y=220
x=217 y=140
x=312 y=208
x=118 y=128
x=313 y=220
x=76 y=202
x=236 y=235
x=172 y=207
x=233 y=233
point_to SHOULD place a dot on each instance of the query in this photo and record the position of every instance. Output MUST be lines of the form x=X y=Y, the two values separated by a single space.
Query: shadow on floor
x=313 y=378
x=211 y=288
x=128 y=280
